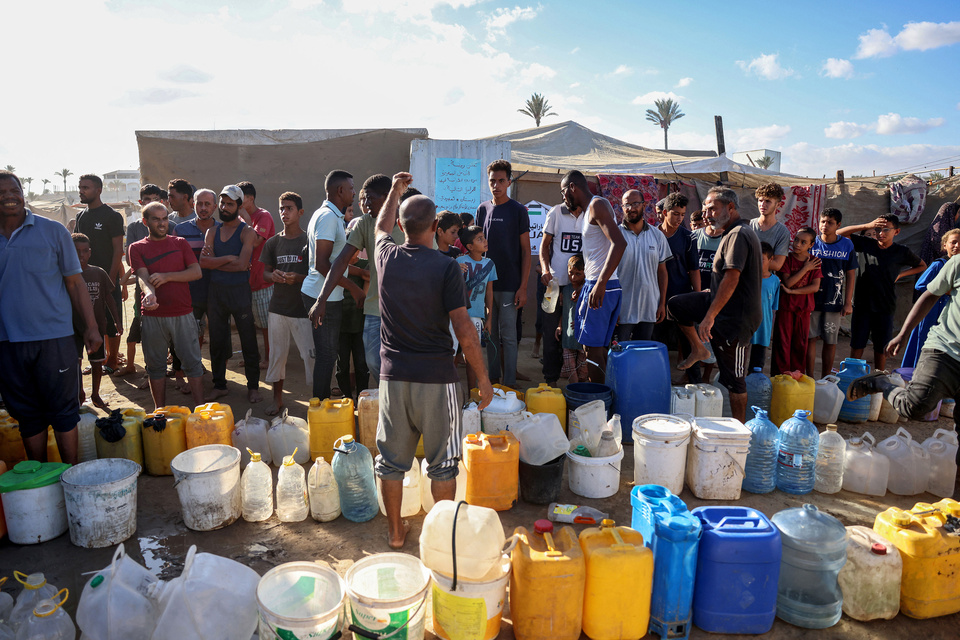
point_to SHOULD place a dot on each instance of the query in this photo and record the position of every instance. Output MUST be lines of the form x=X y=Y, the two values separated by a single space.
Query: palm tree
x=11 y=168
x=537 y=108
x=27 y=182
x=116 y=185
x=765 y=162
x=45 y=183
x=63 y=174
x=666 y=114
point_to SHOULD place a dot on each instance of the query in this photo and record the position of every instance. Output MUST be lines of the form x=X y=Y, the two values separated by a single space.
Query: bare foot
x=98 y=402
x=695 y=356
x=215 y=394
x=396 y=541
x=184 y=388
x=124 y=371
x=143 y=384
x=253 y=396
x=273 y=409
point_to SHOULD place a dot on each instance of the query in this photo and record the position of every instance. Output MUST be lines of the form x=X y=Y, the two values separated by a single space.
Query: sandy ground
x=161 y=540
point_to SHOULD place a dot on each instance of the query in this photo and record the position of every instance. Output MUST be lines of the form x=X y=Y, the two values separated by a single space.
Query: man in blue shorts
x=39 y=281
x=598 y=304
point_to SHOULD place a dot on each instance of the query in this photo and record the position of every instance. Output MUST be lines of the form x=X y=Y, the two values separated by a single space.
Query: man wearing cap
x=226 y=252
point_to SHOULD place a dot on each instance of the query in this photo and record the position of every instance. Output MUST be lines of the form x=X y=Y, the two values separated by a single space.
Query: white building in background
x=121 y=185
x=752 y=157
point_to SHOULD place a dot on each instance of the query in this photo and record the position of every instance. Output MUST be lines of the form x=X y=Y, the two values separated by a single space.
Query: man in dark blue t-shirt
x=506 y=226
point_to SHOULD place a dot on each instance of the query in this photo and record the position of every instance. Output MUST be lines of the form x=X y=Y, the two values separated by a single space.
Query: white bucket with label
x=716 y=457
x=300 y=600
x=660 y=450
x=388 y=595
x=474 y=608
x=594 y=477
x=101 y=497
x=207 y=479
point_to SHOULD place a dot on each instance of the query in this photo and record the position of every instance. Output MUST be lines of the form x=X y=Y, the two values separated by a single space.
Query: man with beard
x=643 y=272
x=164 y=265
x=226 y=252
x=104 y=226
x=194 y=231
x=598 y=303
x=729 y=313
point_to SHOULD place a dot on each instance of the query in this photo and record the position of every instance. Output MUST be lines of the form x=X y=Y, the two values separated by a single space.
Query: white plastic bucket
x=716 y=457
x=101 y=497
x=660 y=450
x=388 y=593
x=300 y=600
x=35 y=515
x=482 y=601
x=494 y=422
x=594 y=477
x=207 y=479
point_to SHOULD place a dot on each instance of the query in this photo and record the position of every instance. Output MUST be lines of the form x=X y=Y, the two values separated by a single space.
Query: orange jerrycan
x=619 y=582
x=546 y=583
x=493 y=469
x=53 y=451
x=164 y=437
x=209 y=427
x=329 y=420
x=547 y=399
x=926 y=537
x=214 y=407
x=11 y=444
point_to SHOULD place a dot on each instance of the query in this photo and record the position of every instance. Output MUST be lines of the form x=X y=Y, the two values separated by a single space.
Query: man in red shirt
x=164 y=265
x=260 y=221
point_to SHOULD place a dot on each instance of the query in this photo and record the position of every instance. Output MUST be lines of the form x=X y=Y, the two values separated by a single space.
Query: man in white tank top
x=598 y=303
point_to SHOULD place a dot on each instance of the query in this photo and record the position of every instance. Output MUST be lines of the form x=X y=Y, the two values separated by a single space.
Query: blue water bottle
x=353 y=470
x=797 y=457
x=760 y=471
x=759 y=390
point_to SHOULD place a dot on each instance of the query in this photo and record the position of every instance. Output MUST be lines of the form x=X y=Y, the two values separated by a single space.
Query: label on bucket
x=371 y=619
x=460 y=618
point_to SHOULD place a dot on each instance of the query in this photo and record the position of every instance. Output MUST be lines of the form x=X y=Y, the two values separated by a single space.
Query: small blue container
x=738 y=566
x=858 y=410
x=629 y=362
x=672 y=533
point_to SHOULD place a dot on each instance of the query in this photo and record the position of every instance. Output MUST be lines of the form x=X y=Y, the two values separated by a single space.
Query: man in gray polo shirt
x=642 y=272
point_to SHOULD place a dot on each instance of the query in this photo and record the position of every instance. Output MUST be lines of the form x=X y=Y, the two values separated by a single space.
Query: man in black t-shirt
x=104 y=225
x=875 y=296
x=284 y=258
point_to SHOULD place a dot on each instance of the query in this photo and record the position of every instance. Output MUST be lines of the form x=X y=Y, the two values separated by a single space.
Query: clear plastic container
x=480 y=539
x=827 y=400
x=759 y=390
x=471 y=420
x=541 y=438
x=942 y=449
x=48 y=621
x=410 y=501
x=353 y=470
x=814 y=551
x=292 y=505
x=760 y=470
x=870 y=581
x=86 y=435
x=830 y=459
x=256 y=489
x=323 y=492
x=426 y=489
x=35 y=590
x=118 y=602
x=797 y=457
x=250 y=434
x=909 y=464
x=288 y=434
x=864 y=470
x=6 y=601
x=709 y=401
x=608 y=445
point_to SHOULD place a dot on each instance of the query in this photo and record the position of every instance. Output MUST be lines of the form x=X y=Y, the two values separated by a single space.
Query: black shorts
x=135 y=333
x=41 y=384
x=687 y=309
x=100 y=355
x=875 y=326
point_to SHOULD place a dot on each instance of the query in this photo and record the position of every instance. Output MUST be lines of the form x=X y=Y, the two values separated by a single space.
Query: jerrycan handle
x=618 y=541
x=66 y=594
x=246 y=418
x=946 y=434
x=905 y=434
x=734 y=522
x=832 y=378
x=22 y=578
x=868 y=437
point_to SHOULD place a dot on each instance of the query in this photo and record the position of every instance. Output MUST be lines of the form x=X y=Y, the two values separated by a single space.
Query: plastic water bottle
x=614 y=425
x=291 y=491
x=322 y=489
x=256 y=489
x=760 y=470
x=759 y=390
x=353 y=470
x=797 y=458
x=830 y=456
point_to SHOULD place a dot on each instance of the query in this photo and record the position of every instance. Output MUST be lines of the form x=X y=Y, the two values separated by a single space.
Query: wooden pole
x=840 y=176
x=721 y=147
x=950 y=172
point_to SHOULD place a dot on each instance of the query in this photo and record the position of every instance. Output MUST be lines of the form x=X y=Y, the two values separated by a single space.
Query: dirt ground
x=161 y=540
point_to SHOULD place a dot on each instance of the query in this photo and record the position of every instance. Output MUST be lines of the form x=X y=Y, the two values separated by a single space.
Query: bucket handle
x=743 y=473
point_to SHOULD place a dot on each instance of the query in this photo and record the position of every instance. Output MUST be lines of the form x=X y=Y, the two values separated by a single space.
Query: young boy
x=875 y=297
x=769 y=302
x=708 y=241
x=768 y=229
x=284 y=257
x=838 y=264
x=99 y=287
x=448 y=230
x=574 y=357
x=696 y=221
x=479 y=273
x=800 y=280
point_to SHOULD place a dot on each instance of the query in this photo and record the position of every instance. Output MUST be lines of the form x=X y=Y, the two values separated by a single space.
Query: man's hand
x=847 y=309
x=150 y=301
x=279 y=277
x=486 y=392
x=893 y=347
x=705 y=330
x=520 y=298
x=596 y=295
x=206 y=251
x=546 y=278
x=316 y=313
x=92 y=340
x=661 y=312
x=158 y=279
x=401 y=181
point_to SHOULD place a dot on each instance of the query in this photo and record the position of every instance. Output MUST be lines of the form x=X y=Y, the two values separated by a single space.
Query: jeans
x=503 y=336
x=936 y=377
x=552 y=353
x=371 y=346
x=326 y=345
x=226 y=301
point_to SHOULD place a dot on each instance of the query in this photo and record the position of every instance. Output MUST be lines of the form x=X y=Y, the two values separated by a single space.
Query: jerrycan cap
x=878 y=549
x=473 y=438
x=803 y=414
x=543 y=526
x=831 y=427
x=314 y=402
x=346 y=439
x=900 y=518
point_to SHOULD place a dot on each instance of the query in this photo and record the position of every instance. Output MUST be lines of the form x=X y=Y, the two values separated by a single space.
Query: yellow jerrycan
x=214 y=407
x=164 y=437
x=209 y=427
x=546 y=583
x=493 y=469
x=130 y=446
x=929 y=546
x=792 y=392
x=547 y=399
x=619 y=582
x=328 y=421
x=11 y=444
x=53 y=451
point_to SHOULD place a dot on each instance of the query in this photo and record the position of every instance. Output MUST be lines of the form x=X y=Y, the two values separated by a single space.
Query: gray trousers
x=503 y=336
x=936 y=377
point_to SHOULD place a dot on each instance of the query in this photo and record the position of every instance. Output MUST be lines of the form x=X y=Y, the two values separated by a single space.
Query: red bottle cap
x=543 y=526
x=879 y=549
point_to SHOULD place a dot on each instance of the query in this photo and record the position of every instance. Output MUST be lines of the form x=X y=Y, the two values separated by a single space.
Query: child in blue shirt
x=769 y=302
x=479 y=273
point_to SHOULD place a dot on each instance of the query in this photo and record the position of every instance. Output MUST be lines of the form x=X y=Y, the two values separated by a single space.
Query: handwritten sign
x=458 y=185
x=537 y=211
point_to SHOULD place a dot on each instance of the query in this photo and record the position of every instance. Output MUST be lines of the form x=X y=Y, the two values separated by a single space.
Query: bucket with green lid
x=33 y=502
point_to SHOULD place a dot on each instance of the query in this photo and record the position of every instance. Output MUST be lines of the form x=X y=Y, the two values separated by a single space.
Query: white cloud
x=894 y=123
x=577 y=84
x=805 y=159
x=575 y=51
x=837 y=68
x=622 y=70
x=154 y=96
x=915 y=36
x=767 y=67
x=759 y=137
x=502 y=18
x=536 y=71
x=843 y=130
x=684 y=82
x=652 y=96
x=184 y=73
x=415 y=8
x=652 y=138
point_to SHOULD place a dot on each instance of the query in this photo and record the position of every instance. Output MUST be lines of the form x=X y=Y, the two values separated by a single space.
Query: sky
x=831 y=85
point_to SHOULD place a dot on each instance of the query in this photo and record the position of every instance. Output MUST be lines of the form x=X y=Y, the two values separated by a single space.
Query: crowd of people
x=394 y=294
